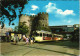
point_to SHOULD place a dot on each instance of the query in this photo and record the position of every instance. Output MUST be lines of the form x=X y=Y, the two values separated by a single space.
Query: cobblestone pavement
x=36 y=49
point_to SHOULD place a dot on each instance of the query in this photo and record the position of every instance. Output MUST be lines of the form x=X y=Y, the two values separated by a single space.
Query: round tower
x=43 y=19
x=25 y=18
x=40 y=22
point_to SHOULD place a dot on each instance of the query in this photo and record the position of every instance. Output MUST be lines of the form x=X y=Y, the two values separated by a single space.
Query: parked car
x=58 y=37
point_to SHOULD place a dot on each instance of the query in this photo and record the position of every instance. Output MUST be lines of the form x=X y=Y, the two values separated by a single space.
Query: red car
x=58 y=37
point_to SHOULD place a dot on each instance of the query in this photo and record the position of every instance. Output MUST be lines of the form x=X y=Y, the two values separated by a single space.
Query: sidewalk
x=7 y=49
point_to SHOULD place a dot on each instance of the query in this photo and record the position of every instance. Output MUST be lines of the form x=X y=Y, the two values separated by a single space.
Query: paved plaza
x=37 y=49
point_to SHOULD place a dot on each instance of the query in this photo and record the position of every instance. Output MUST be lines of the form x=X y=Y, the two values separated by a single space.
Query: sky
x=60 y=12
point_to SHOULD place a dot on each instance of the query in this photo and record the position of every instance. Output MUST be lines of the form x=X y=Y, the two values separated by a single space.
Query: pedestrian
x=7 y=36
x=32 y=40
x=27 y=40
x=20 y=37
x=16 y=39
x=24 y=38
x=12 y=38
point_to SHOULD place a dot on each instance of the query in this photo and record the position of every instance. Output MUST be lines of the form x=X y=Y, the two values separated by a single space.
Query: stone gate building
x=35 y=22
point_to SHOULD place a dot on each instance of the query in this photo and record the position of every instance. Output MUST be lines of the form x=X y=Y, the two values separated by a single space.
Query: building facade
x=64 y=29
x=4 y=30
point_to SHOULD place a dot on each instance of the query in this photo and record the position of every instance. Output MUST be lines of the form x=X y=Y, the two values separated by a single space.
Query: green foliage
x=16 y=29
x=22 y=28
x=11 y=6
x=13 y=24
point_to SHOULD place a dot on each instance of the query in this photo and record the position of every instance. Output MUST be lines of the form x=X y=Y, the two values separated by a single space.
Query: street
x=37 y=49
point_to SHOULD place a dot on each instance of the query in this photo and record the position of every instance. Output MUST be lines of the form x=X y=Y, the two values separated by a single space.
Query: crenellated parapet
x=43 y=13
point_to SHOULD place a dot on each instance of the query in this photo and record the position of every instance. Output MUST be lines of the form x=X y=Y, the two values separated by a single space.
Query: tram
x=42 y=35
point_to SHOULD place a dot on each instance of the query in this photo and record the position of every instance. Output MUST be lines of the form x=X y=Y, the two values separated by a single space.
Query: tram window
x=49 y=35
x=44 y=35
x=41 y=34
x=57 y=36
x=37 y=34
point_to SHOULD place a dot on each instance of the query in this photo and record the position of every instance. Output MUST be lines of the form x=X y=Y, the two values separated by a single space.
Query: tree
x=16 y=29
x=22 y=28
x=8 y=6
